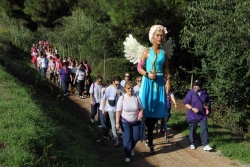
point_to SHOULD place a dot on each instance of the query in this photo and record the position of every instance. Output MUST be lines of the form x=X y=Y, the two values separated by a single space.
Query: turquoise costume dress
x=152 y=92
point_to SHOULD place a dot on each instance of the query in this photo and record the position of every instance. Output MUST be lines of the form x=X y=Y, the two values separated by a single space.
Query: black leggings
x=150 y=124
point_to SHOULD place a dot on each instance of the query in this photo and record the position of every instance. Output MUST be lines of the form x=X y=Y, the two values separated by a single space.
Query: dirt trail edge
x=175 y=153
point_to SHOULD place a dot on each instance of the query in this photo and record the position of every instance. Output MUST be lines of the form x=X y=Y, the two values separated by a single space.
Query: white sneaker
x=92 y=121
x=132 y=152
x=207 y=148
x=127 y=160
x=192 y=147
x=99 y=126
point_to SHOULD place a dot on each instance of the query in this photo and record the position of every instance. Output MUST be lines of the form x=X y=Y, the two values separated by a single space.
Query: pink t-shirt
x=130 y=106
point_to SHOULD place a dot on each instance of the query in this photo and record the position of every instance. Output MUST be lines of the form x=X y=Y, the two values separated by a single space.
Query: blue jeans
x=44 y=71
x=130 y=136
x=105 y=122
x=94 y=111
x=65 y=86
x=203 y=132
x=80 y=86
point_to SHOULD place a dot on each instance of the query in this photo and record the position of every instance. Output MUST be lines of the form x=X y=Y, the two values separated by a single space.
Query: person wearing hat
x=197 y=101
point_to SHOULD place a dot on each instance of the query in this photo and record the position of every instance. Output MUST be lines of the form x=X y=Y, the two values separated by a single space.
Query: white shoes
x=207 y=148
x=127 y=160
x=192 y=147
x=92 y=120
x=132 y=152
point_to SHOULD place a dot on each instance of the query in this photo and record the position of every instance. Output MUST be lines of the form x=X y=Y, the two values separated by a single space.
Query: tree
x=35 y=12
x=218 y=33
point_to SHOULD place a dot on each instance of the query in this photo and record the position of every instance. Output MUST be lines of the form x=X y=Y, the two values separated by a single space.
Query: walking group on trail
x=132 y=107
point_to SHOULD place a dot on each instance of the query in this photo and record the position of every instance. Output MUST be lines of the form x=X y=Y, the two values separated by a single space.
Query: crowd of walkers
x=64 y=72
x=134 y=107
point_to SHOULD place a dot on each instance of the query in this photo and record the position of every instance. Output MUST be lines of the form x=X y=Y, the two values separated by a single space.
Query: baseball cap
x=197 y=83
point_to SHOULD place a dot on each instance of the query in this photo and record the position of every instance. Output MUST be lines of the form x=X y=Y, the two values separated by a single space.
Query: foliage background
x=211 y=41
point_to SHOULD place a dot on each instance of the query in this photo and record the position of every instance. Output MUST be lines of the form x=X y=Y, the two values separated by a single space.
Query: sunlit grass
x=36 y=131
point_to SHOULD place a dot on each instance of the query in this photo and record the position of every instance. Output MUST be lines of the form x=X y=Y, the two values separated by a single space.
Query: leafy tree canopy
x=36 y=12
x=218 y=33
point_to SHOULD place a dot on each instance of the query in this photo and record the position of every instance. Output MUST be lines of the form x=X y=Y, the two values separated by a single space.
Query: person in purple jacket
x=197 y=101
x=65 y=77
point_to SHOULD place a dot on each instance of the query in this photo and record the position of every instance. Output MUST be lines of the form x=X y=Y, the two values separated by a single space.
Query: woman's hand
x=140 y=116
x=117 y=126
x=195 y=110
x=104 y=112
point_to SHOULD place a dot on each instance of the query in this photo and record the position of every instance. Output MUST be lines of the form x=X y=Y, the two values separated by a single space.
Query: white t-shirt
x=110 y=94
x=129 y=106
x=44 y=62
x=80 y=75
x=97 y=92
x=73 y=69
x=102 y=92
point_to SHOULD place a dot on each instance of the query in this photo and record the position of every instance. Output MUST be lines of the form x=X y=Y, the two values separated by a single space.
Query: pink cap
x=152 y=30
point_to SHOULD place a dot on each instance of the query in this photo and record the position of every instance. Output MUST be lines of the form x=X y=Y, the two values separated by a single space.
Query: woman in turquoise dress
x=155 y=81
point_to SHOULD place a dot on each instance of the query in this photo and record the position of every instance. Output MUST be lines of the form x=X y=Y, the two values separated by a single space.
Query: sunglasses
x=130 y=88
x=126 y=75
x=138 y=80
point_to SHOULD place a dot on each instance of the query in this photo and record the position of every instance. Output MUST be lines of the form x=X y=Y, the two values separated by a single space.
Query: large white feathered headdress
x=133 y=49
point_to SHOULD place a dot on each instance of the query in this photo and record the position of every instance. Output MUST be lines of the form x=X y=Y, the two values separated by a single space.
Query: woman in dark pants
x=197 y=102
x=65 y=78
x=80 y=79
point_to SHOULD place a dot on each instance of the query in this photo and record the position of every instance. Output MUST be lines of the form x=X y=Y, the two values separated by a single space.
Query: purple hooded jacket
x=193 y=100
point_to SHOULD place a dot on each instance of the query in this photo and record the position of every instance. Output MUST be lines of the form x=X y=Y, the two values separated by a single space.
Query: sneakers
x=81 y=97
x=146 y=144
x=127 y=160
x=192 y=147
x=92 y=120
x=207 y=148
x=99 y=126
x=132 y=152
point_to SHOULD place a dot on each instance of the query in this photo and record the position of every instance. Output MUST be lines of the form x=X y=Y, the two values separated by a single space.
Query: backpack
x=89 y=69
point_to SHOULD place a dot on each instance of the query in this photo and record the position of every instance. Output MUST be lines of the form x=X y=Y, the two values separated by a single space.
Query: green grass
x=231 y=145
x=38 y=126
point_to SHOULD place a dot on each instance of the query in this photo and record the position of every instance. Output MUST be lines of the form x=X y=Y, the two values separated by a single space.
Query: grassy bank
x=37 y=125
x=231 y=145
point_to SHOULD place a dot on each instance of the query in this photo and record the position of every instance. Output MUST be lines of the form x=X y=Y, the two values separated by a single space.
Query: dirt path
x=176 y=153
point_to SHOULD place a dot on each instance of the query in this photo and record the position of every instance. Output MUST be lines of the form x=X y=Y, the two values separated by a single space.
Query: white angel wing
x=169 y=47
x=133 y=49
